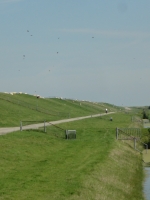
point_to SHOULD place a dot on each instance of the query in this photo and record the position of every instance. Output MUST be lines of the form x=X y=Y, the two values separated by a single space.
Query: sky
x=92 y=50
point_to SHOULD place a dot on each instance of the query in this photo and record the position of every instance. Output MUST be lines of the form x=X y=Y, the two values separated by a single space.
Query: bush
x=146 y=136
x=145 y=116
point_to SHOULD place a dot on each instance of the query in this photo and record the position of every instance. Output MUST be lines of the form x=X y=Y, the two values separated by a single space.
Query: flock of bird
x=31 y=36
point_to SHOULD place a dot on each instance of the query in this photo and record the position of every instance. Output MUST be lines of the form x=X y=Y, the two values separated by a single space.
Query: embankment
x=120 y=177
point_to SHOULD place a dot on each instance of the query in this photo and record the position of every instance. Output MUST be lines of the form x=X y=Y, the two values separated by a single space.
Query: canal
x=147 y=183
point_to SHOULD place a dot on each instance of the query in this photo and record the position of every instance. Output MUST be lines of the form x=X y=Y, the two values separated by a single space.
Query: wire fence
x=27 y=125
x=65 y=133
x=45 y=127
x=133 y=135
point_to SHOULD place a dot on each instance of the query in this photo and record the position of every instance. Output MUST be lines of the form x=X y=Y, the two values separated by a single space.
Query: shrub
x=145 y=116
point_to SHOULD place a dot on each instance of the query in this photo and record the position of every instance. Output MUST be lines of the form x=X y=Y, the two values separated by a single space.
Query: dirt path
x=4 y=131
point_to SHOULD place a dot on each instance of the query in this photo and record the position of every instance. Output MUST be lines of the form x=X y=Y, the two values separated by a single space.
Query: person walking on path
x=106 y=110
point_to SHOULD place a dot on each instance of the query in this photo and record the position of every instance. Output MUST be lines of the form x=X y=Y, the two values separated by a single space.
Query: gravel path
x=4 y=131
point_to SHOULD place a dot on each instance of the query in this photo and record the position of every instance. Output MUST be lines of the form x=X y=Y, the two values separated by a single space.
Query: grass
x=118 y=177
x=37 y=165
x=146 y=157
x=26 y=108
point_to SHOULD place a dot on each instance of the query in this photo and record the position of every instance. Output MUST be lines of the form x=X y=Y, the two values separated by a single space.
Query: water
x=147 y=183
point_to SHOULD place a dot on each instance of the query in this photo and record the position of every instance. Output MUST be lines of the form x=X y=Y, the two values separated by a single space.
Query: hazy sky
x=92 y=50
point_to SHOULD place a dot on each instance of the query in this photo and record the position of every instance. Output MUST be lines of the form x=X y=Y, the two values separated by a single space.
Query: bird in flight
x=92 y=37
x=27 y=30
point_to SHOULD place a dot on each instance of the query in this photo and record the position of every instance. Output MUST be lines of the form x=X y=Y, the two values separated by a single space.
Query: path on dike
x=4 y=131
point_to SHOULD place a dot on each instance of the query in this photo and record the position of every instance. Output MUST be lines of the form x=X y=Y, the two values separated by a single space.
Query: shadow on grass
x=35 y=130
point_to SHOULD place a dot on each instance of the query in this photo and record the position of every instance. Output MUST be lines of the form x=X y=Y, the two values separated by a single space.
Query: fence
x=128 y=132
x=132 y=134
x=26 y=125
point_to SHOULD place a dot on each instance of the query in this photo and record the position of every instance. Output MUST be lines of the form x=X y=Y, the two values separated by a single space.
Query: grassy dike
x=22 y=107
x=41 y=166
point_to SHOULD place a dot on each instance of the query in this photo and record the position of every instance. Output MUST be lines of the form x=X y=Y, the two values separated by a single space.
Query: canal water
x=147 y=184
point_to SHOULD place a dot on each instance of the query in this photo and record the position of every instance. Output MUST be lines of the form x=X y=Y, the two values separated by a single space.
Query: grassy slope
x=11 y=114
x=40 y=166
x=146 y=156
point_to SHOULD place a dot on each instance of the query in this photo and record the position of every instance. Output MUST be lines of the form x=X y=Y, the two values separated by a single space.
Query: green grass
x=22 y=107
x=37 y=165
x=12 y=114
x=146 y=156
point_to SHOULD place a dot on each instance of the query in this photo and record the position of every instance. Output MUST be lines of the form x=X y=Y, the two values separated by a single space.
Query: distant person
x=106 y=110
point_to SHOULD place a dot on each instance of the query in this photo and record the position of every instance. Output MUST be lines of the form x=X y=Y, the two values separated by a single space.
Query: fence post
x=146 y=148
x=117 y=133
x=67 y=134
x=44 y=127
x=134 y=143
x=20 y=126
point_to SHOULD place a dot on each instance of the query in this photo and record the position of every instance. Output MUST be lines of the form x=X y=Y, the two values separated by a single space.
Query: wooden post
x=44 y=127
x=117 y=133
x=134 y=143
x=67 y=134
x=146 y=148
x=20 y=126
